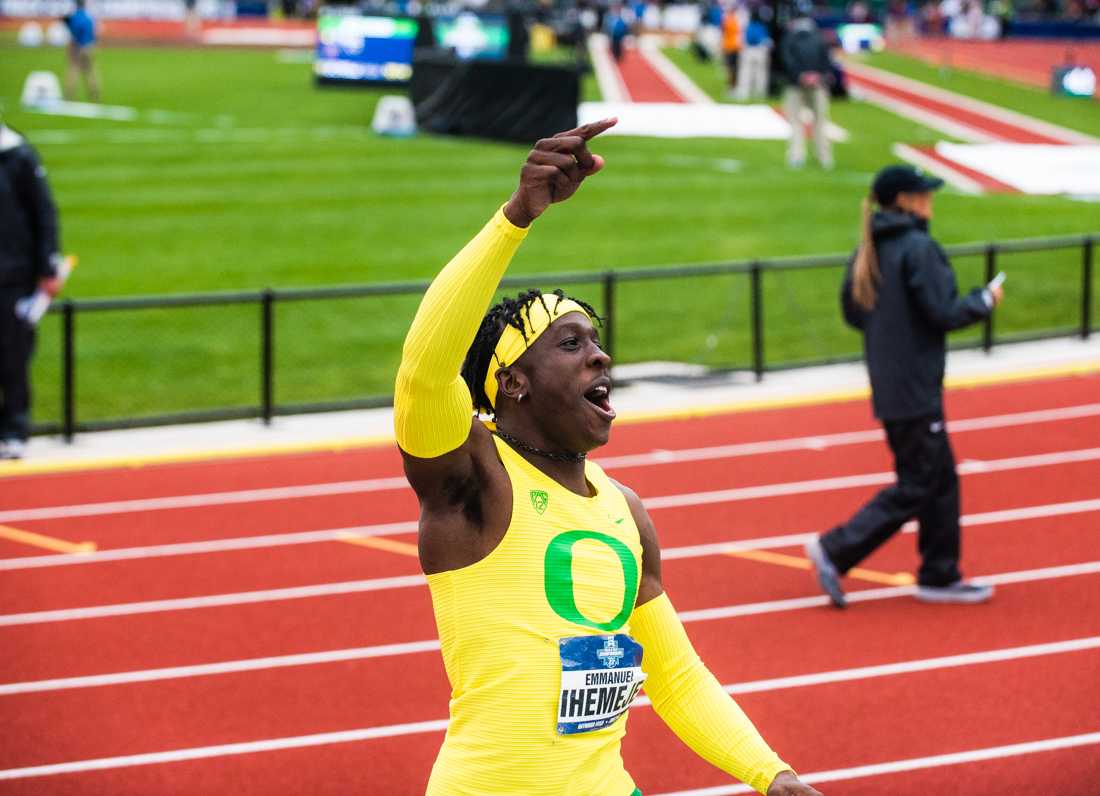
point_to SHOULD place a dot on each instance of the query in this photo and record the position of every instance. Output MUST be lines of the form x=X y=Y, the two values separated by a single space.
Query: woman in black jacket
x=900 y=292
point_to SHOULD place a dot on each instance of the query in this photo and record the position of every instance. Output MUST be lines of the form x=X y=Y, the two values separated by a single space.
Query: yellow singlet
x=555 y=596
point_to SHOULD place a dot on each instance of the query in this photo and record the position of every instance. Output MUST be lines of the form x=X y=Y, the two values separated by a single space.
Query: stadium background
x=167 y=606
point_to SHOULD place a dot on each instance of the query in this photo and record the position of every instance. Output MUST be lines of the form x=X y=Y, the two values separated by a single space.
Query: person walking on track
x=900 y=292
x=545 y=574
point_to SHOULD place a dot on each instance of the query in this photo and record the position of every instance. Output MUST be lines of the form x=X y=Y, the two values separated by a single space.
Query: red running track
x=819 y=727
x=1025 y=61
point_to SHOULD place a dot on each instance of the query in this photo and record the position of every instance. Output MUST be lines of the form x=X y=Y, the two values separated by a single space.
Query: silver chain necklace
x=523 y=446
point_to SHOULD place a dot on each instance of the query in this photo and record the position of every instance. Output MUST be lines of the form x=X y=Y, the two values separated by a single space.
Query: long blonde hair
x=865 y=272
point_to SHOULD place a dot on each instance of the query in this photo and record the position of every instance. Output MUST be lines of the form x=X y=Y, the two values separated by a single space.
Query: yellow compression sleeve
x=433 y=408
x=692 y=703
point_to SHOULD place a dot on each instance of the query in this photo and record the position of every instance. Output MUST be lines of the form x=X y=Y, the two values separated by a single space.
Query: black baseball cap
x=900 y=178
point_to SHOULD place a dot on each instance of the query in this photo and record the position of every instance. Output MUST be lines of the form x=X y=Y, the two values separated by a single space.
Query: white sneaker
x=960 y=591
x=13 y=449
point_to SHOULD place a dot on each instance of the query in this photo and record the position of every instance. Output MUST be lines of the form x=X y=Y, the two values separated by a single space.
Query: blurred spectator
x=806 y=62
x=81 y=52
x=707 y=44
x=752 y=78
x=731 y=44
x=29 y=257
x=617 y=27
x=191 y=21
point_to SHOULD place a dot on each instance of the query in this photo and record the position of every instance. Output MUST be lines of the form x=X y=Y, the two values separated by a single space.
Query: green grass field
x=255 y=178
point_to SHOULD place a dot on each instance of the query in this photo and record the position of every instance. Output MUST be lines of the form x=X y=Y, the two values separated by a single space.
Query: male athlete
x=545 y=574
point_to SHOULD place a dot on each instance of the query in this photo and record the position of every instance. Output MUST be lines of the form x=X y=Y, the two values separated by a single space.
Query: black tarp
x=493 y=99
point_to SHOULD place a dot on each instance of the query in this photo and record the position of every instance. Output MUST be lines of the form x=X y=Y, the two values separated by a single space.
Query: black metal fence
x=267 y=405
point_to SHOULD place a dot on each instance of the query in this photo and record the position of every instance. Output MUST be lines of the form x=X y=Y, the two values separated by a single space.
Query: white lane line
x=207 y=546
x=886 y=593
x=908 y=667
x=212 y=600
x=223 y=750
x=916 y=763
x=650 y=49
x=405 y=581
x=997 y=112
x=659 y=457
x=222 y=667
x=389 y=731
x=951 y=176
x=204 y=499
x=866 y=479
x=387 y=529
x=432 y=645
x=612 y=86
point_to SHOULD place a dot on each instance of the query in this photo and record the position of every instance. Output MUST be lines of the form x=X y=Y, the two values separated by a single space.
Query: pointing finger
x=589 y=131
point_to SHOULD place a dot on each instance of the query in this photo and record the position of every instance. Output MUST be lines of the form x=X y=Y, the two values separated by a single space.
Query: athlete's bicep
x=650 y=586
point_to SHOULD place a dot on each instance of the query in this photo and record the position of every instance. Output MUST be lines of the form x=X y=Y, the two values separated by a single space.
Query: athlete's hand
x=787 y=784
x=51 y=285
x=554 y=171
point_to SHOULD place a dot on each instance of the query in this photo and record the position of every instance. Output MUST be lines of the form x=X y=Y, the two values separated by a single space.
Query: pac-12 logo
x=540 y=500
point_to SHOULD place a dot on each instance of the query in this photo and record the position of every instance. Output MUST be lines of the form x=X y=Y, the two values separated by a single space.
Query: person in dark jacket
x=29 y=258
x=900 y=292
x=805 y=59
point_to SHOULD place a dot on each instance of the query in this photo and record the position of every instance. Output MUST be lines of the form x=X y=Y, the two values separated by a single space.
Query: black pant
x=16 y=347
x=927 y=489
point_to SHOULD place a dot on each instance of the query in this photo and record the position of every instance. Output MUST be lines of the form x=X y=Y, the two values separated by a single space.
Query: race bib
x=600 y=676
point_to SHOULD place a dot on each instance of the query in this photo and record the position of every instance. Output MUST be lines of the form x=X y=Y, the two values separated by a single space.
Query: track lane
x=1025 y=613
x=251 y=472
x=840 y=725
x=283 y=516
x=916 y=724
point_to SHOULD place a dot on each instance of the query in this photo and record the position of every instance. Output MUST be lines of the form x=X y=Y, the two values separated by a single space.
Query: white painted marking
x=212 y=600
x=205 y=499
x=886 y=593
x=867 y=479
x=956 y=179
x=632 y=460
x=1001 y=114
x=610 y=80
x=407 y=581
x=907 y=667
x=687 y=89
x=208 y=546
x=840 y=675
x=916 y=763
x=223 y=667
x=387 y=529
x=223 y=750
x=929 y=119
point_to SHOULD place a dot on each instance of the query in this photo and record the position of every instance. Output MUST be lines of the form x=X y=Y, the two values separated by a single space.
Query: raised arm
x=433 y=409
x=686 y=695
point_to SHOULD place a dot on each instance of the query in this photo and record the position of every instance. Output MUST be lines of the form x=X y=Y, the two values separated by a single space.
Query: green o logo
x=558 y=578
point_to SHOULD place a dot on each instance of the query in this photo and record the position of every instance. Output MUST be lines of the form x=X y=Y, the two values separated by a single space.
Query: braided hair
x=509 y=312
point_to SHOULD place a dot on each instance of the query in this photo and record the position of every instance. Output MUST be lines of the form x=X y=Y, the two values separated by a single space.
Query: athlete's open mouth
x=599 y=395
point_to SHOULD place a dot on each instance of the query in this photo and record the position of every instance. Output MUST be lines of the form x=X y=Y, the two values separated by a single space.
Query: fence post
x=267 y=363
x=68 y=370
x=757 y=309
x=990 y=272
x=608 y=335
x=1086 y=288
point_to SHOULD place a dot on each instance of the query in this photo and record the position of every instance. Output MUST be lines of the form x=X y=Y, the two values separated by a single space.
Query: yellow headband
x=512 y=343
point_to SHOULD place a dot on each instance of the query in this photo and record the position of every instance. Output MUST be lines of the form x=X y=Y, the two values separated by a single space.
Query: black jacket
x=904 y=335
x=803 y=50
x=29 y=247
